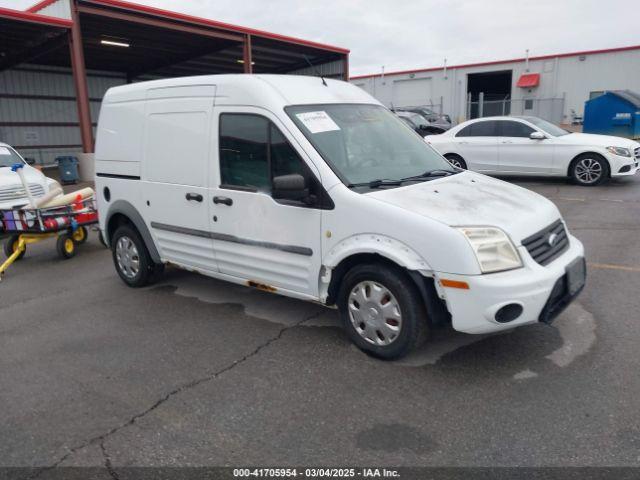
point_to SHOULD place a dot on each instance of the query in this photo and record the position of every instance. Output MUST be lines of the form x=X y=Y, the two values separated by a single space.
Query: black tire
x=80 y=235
x=413 y=327
x=593 y=163
x=101 y=240
x=66 y=247
x=11 y=244
x=148 y=271
x=456 y=160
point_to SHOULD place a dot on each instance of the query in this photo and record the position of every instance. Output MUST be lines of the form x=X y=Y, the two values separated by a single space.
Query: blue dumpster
x=613 y=113
x=68 y=168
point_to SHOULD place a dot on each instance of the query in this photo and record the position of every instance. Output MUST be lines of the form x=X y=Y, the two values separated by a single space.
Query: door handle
x=193 y=196
x=224 y=200
x=507 y=141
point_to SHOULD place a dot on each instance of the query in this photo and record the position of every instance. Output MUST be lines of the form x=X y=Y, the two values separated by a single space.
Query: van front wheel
x=382 y=311
x=132 y=259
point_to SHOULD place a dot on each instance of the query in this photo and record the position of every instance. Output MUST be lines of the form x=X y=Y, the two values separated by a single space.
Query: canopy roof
x=150 y=41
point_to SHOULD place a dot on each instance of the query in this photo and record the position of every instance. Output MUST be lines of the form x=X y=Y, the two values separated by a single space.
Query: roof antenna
x=316 y=70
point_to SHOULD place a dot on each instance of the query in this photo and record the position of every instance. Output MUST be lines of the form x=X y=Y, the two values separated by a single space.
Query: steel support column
x=80 y=80
x=345 y=67
x=247 y=55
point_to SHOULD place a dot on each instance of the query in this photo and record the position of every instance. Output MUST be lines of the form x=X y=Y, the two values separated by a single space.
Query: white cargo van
x=312 y=189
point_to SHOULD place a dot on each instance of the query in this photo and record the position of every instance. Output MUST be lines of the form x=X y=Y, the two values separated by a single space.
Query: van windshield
x=8 y=157
x=367 y=143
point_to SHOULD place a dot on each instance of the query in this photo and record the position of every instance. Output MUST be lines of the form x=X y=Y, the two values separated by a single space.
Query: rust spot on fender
x=262 y=286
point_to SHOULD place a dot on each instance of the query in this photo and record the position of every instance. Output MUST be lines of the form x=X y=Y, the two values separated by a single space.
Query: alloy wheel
x=588 y=170
x=455 y=162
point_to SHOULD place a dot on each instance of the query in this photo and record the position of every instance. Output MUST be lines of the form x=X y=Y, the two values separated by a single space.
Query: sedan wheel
x=589 y=170
x=456 y=161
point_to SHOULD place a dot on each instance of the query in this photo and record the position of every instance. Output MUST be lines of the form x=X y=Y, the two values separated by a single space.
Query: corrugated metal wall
x=571 y=78
x=38 y=112
x=38 y=109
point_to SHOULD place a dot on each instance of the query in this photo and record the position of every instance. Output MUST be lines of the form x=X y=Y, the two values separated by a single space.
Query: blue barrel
x=68 y=169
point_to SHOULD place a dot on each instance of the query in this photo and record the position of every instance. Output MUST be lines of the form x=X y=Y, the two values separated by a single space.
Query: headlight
x=623 y=152
x=494 y=250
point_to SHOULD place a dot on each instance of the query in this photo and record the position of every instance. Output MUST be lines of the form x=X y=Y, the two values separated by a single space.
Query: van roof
x=269 y=91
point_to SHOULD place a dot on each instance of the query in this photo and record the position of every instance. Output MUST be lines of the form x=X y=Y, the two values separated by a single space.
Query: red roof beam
x=155 y=22
x=34 y=18
x=499 y=62
x=40 y=5
x=168 y=15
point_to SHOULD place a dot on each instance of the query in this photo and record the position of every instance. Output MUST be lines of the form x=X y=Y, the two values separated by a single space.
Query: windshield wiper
x=431 y=174
x=396 y=183
x=377 y=183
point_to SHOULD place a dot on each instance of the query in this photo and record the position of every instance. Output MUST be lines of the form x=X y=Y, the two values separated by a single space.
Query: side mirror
x=290 y=187
x=537 y=136
x=30 y=161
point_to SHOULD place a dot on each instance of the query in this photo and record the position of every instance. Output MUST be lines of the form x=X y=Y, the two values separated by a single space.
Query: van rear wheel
x=382 y=311
x=132 y=259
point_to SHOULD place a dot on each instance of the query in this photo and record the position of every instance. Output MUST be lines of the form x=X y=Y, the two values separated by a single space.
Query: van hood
x=468 y=199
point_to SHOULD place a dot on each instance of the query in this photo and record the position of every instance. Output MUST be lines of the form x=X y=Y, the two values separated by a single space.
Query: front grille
x=16 y=192
x=540 y=246
x=636 y=153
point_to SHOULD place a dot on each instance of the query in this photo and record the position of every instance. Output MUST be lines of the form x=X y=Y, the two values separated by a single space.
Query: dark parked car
x=438 y=122
x=419 y=123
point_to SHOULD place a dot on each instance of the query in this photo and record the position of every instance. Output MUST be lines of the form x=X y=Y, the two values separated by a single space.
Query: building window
x=528 y=104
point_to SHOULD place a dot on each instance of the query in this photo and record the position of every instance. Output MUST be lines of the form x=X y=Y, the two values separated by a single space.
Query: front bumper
x=541 y=291
x=623 y=166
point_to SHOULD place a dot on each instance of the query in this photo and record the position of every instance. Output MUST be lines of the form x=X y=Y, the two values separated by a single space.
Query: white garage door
x=411 y=92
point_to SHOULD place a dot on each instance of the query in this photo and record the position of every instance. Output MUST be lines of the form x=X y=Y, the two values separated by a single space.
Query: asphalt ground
x=194 y=371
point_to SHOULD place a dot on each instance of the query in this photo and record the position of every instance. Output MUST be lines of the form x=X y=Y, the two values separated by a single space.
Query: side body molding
x=125 y=208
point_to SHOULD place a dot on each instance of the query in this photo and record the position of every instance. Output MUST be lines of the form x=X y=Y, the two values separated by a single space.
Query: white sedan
x=532 y=146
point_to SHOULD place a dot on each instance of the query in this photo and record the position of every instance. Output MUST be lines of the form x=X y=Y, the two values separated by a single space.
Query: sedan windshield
x=548 y=127
x=367 y=143
x=8 y=157
x=418 y=119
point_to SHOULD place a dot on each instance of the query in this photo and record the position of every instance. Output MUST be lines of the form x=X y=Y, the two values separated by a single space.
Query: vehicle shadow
x=519 y=353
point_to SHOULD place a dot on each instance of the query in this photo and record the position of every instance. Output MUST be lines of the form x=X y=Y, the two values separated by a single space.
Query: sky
x=407 y=34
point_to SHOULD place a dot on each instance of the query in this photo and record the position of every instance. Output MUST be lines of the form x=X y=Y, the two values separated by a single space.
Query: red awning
x=528 y=80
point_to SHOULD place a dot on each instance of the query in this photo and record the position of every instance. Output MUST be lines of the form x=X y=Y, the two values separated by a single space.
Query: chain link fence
x=550 y=109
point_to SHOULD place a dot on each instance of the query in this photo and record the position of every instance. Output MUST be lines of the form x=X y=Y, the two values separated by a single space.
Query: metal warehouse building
x=554 y=87
x=58 y=58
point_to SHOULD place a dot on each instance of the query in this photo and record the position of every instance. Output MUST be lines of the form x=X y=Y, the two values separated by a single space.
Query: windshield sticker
x=318 y=122
x=4 y=151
